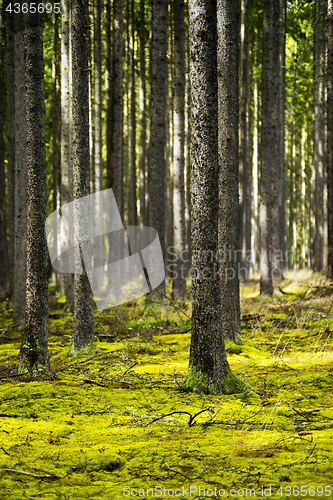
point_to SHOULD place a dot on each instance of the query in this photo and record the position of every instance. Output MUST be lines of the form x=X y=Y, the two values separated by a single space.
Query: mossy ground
x=87 y=431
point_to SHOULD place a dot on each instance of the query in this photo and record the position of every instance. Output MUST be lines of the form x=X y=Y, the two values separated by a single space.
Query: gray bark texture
x=208 y=371
x=132 y=216
x=10 y=105
x=319 y=130
x=276 y=153
x=34 y=355
x=56 y=123
x=66 y=156
x=20 y=258
x=115 y=168
x=158 y=132
x=329 y=139
x=245 y=146
x=143 y=117
x=229 y=223
x=3 y=243
x=83 y=321
x=266 y=283
x=108 y=85
x=281 y=154
x=179 y=229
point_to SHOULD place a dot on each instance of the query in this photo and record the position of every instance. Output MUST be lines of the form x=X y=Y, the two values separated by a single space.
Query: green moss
x=200 y=383
x=89 y=349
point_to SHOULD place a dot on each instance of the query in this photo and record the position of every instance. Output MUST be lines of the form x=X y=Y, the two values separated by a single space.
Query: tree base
x=89 y=349
x=201 y=383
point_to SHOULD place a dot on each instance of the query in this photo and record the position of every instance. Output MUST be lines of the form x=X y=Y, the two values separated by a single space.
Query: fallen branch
x=92 y=382
x=190 y=422
x=31 y=474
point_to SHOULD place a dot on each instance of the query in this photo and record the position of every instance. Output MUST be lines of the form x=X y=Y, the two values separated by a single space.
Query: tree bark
x=143 y=117
x=66 y=156
x=329 y=138
x=34 y=355
x=10 y=115
x=229 y=224
x=20 y=262
x=266 y=284
x=132 y=195
x=157 y=145
x=179 y=230
x=208 y=371
x=83 y=321
x=3 y=256
x=319 y=130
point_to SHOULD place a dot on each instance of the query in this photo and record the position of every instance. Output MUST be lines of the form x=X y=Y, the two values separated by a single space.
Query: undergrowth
x=117 y=422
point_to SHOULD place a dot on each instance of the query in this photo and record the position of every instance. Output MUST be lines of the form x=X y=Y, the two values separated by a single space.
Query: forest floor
x=116 y=424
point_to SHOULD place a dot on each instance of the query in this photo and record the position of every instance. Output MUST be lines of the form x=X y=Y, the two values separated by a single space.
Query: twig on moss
x=128 y=369
x=93 y=382
x=191 y=420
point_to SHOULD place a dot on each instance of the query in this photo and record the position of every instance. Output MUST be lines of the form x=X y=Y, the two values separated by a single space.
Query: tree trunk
x=227 y=61
x=329 y=139
x=179 y=281
x=157 y=145
x=276 y=153
x=255 y=173
x=56 y=122
x=244 y=144
x=266 y=284
x=319 y=129
x=83 y=321
x=66 y=156
x=132 y=194
x=3 y=259
x=108 y=85
x=281 y=99
x=10 y=115
x=98 y=158
x=20 y=263
x=34 y=355
x=208 y=371
x=143 y=111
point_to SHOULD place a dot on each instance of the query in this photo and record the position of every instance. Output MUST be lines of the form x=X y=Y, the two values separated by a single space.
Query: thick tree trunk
x=208 y=370
x=3 y=257
x=266 y=284
x=34 y=355
x=83 y=321
x=66 y=156
x=20 y=263
x=329 y=139
x=157 y=145
x=10 y=102
x=229 y=224
x=179 y=281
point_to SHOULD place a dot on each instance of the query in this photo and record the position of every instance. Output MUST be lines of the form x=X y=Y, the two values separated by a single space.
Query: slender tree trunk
x=229 y=224
x=244 y=145
x=208 y=370
x=98 y=159
x=329 y=139
x=10 y=101
x=266 y=283
x=255 y=173
x=319 y=129
x=66 y=156
x=126 y=132
x=157 y=146
x=56 y=122
x=83 y=321
x=3 y=257
x=143 y=117
x=108 y=86
x=276 y=153
x=132 y=194
x=281 y=153
x=34 y=353
x=179 y=282
x=20 y=263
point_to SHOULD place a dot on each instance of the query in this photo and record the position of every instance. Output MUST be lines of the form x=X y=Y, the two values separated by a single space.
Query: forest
x=166 y=249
